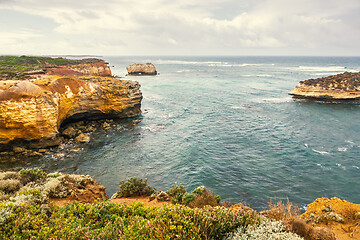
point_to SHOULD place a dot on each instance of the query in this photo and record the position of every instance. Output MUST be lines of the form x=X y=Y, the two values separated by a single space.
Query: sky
x=180 y=27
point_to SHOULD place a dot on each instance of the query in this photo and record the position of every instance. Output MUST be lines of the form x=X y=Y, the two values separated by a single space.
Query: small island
x=343 y=87
x=141 y=69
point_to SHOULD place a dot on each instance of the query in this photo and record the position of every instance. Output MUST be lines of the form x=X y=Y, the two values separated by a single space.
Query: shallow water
x=228 y=123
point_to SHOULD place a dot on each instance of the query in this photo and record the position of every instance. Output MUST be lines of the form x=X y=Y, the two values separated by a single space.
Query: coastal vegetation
x=31 y=207
x=16 y=68
x=27 y=212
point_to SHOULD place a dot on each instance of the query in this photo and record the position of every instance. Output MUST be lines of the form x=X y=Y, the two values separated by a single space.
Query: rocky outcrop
x=345 y=86
x=34 y=109
x=338 y=216
x=141 y=69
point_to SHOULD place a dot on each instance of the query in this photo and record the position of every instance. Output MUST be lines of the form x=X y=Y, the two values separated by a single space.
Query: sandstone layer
x=141 y=69
x=34 y=109
x=345 y=86
x=339 y=216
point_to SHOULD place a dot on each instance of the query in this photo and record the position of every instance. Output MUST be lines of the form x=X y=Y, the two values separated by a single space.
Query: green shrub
x=177 y=192
x=134 y=187
x=31 y=174
x=187 y=198
x=203 y=198
x=107 y=220
x=199 y=190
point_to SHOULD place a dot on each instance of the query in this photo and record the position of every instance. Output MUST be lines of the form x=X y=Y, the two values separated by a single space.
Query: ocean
x=229 y=124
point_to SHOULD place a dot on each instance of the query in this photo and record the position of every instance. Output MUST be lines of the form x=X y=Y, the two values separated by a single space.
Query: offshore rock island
x=345 y=86
x=39 y=94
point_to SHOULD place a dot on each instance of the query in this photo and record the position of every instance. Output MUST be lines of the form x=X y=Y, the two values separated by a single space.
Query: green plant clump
x=31 y=174
x=13 y=67
x=177 y=193
x=134 y=187
x=107 y=220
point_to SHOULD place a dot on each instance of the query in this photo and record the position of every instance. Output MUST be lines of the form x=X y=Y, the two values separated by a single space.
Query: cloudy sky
x=180 y=27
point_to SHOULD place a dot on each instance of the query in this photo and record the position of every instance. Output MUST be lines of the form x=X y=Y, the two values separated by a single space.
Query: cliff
x=345 y=86
x=36 y=107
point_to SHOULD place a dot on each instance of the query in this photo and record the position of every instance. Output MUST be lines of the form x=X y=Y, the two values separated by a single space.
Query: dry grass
x=282 y=211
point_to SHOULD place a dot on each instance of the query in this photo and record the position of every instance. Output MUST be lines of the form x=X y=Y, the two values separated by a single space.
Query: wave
x=209 y=63
x=322 y=69
x=342 y=149
x=321 y=152
x=278 y=100
x=256 y=75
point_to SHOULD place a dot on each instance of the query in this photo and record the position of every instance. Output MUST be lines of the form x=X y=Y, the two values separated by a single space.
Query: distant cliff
x=41 y=97
x=345 y=86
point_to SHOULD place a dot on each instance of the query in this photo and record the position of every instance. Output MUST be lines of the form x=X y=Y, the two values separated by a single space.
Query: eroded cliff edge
x=345 y=86
x=34 y=104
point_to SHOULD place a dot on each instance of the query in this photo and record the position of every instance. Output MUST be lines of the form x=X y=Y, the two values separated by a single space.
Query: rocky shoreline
x=340 y=87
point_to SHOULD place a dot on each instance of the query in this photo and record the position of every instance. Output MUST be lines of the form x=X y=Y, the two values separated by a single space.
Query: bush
x=177 y=192
x=187 y=198
x=204 y=197
x=9 y=185
x=267 y=229
x=107 y=220
x=134 y=187
x=31 y=174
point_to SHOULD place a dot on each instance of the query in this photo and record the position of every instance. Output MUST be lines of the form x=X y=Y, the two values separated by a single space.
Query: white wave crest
x=209 y=63
x=278 y=100
x=321 y=152
x=342 y=149
x=322 y=69
x=256 y=75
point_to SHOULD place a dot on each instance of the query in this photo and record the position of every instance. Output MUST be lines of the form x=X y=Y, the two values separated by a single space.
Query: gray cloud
x=203 y=26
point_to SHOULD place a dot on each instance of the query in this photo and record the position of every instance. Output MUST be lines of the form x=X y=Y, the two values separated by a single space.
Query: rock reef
x=141 y=69
x=345 y=86
x=35 y=108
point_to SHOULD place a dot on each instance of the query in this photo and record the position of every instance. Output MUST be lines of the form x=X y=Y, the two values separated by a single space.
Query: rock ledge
x=345 y=86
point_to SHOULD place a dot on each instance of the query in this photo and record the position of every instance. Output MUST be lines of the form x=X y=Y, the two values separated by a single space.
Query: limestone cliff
x=94 y=69
x=35 y=108
x=141 y=69
x=345 y=86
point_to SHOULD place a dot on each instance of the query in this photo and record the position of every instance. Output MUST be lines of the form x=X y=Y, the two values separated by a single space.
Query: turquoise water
x=228 y=123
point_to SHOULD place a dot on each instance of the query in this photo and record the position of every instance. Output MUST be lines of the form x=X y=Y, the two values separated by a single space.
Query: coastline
x=166 y=126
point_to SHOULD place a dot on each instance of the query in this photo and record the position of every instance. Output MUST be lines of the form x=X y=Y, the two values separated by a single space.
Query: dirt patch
x=61 y=202
x=143 y=200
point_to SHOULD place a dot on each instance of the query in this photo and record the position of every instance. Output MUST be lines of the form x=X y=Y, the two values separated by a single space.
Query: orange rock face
x=340 y=216
x=337 y=205
x=35 y=109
